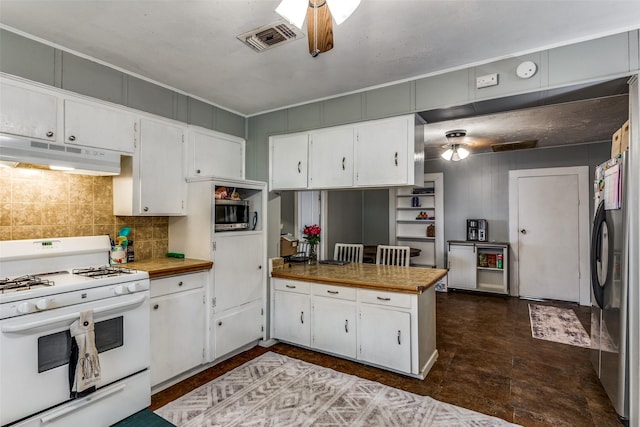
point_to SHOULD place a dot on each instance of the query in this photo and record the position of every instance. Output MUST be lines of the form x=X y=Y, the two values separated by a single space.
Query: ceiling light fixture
x=455 y=150
x=319 y=14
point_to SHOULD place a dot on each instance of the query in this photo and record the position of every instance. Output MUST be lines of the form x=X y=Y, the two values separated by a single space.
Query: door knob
x=523 y=231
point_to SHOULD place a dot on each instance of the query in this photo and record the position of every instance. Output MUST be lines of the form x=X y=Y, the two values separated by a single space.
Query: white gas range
x=44 y=286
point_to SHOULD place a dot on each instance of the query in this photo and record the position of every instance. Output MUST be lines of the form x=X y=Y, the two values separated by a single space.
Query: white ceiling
x=191 y=45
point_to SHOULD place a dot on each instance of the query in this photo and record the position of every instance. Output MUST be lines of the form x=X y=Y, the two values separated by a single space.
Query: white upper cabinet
x=95 y=125
x=152 y=181
x=331 y=158
x=288 y=161
x=28 y=113
x=212 y=154
x=384 y=152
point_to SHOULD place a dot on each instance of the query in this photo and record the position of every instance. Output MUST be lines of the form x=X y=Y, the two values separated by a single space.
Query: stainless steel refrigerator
x=609 y=283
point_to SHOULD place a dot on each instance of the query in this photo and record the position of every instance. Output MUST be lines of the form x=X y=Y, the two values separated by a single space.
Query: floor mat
x=558 y=325
x=144 y=418
x=276 y=390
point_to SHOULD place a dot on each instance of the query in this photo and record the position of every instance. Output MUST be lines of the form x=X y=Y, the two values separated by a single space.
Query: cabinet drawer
x=178 y=283
x=332 y=291
x=393 y=299
x=292 y=286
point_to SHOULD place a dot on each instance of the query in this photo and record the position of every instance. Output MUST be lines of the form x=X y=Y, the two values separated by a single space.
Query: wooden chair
x=393 y=255
x=352 y=252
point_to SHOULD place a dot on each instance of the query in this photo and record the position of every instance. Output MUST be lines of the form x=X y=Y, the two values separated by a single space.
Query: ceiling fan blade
x=320 y=36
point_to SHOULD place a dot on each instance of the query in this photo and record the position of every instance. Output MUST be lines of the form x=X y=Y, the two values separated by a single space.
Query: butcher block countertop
x=411 y=280
x=161 y=267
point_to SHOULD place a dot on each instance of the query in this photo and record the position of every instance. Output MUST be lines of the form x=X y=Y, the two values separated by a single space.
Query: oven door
x=34 y=352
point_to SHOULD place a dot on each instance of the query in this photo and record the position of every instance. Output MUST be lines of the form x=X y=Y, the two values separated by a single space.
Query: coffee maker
x=477 y=230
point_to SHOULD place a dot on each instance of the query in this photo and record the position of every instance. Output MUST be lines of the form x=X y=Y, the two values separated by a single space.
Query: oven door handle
x=91 y=398
x=22 y=327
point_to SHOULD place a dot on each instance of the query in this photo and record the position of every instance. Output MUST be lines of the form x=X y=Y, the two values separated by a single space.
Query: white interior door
x=548 y=237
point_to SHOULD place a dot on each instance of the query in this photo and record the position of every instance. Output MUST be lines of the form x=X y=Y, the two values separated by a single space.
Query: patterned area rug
x=276 y=390
x=557 y=324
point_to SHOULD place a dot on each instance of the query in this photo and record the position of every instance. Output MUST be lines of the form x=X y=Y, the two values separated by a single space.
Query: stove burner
x=23 y=283
x=103 y=271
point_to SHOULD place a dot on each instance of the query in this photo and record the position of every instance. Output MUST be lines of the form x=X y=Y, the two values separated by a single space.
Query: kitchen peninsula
x=376 y=314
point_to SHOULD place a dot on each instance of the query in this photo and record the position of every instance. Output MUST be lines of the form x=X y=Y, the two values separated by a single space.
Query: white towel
x=84 y=368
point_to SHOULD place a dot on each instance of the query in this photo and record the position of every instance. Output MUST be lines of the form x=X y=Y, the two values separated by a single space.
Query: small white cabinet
x=27 y=112
x=292 y=312
x=236 y=328
x=331 y=158
x=94 y=125
x=177 y=325
x=481 y=266
x=462 y=266
x=288 y=161
x=212 y=154
x=152 y=181
x=385 y=337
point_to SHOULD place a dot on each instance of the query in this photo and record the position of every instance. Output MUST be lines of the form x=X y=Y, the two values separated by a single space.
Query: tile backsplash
x=38 y=203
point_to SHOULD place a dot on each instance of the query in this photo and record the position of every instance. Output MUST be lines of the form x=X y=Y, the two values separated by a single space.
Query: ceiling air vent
x=269 y=36
x=510 y=146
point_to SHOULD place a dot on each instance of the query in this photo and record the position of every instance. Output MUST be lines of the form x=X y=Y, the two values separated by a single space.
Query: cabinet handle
x=290 y=286
x=395 y=158
x=49 y=134
x=156 y=306
x=299 y=167
x=146 y=208
x=302 y=317
x=399 y=337
x=384 y=299
x=346 y=325
x=343 y=160
x=179 y=283
x=72 y=138
x=333 y=292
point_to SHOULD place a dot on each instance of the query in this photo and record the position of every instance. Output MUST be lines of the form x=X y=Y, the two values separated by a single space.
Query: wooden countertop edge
x=282 y=274
x=170 y=271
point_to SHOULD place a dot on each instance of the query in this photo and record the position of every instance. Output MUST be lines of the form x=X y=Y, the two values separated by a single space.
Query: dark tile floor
x=488 y=362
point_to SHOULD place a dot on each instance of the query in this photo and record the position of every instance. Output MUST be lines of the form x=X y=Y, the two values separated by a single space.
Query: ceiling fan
x=319 y=19
x=459 y=145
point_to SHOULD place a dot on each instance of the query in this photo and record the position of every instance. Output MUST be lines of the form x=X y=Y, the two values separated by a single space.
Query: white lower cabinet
x=292 y=312
x=391 y=330
x=462 y=266
x=237 y=328
x=334 y=326
x=385 y=337
x=177 y=325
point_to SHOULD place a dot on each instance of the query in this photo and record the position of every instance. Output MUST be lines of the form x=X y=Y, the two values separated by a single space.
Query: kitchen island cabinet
x=390 y=308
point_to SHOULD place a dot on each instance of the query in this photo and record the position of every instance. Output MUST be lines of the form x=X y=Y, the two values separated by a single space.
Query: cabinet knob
x=146 y=208
x=179 y=283
x=198 y=171
x=523 y=231
x=72 y=138
x=49 y=134
x=259 y=267
x=156 y=306
x=220 y=323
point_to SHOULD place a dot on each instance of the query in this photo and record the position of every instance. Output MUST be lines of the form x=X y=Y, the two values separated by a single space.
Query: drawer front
x=178 y=283
x=332 y=291
x=292 y=286
x=392 y=299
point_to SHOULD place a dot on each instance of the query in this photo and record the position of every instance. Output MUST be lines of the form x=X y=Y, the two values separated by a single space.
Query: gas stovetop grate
x=23 y=283
x=103 y=271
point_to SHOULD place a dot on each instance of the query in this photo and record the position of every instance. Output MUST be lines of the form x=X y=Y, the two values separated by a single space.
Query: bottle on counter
x=130 y=256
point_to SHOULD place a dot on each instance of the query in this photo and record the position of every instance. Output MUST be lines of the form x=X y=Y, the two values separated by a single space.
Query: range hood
x=16 y=150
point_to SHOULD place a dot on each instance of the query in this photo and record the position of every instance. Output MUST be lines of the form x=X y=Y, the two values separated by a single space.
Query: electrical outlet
x=487 y=80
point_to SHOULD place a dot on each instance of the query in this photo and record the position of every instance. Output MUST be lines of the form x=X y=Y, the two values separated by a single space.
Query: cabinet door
x=462 y=266
x=28 y=113
x=334 y=326
x=291 y=317
x=162 y=185
x=288 y=161
x=214 y=155
x=177 y=334
x=385 y=337
x=236 y=329
x=95 y=125
x=331 y=158
x=382 y=152
x=238 y=271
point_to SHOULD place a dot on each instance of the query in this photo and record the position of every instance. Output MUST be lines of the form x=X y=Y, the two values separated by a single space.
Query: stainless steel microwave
x=231 y=215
